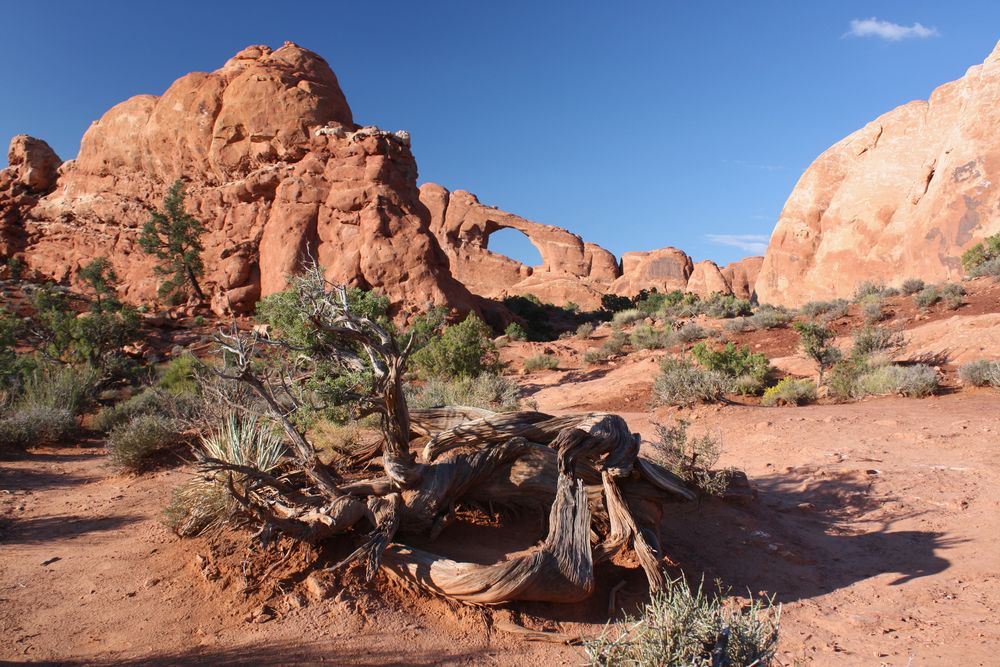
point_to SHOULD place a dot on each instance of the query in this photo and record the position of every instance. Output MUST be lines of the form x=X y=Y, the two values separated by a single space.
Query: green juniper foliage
x=817 y=342
x=174 y=237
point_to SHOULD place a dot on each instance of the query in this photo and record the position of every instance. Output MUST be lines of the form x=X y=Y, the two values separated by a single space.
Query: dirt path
x=875 y=525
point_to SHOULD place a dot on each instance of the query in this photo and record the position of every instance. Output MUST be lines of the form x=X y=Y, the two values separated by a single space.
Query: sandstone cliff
x=902 y=197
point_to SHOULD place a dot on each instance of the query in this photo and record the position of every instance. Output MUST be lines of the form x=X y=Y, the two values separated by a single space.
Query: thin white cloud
x=755 y=165
x=889 y=31
x=755 y=243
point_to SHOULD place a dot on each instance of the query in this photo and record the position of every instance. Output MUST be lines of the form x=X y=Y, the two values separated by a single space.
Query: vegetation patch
x=683 y=382
x=790 y=391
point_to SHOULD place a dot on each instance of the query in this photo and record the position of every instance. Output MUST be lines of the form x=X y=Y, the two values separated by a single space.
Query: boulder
x=707 y=279
x=666 y=269
x=742 y=275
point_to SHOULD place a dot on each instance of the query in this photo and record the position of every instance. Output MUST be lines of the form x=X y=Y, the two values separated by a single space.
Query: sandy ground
x=874 y=525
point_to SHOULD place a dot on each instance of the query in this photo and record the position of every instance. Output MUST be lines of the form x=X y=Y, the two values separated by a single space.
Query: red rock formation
x=571 y=270
x=742 y=275
x=902 y=197
x=32 y=172
x=276 y=170
x=707 y=279
x=666 y=269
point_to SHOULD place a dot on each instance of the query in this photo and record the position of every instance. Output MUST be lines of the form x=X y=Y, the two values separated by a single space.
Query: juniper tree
x=174 y=237
x=817 y=342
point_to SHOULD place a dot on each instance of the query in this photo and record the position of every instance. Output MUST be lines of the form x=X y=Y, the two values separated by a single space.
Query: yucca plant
x=244 y=441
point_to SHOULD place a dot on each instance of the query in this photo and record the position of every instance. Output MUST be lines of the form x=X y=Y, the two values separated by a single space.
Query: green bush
x=683 y=382
x=739 y=325
x=980 y=373
x=872 y=340
x=69 y=388
x=149 y=401
x=515 y=331
x=462 y=350
x=872 y=308
x=535 y=314
x=816 y=342
x=613 y=346
x=952 y=294
x=747 y=370
x=131 y=446
x=790 y=391
x=645 y=337
x=612 y=303
x=927 y=297
x=488 y=391
x=652 y=302
x=981 y=254
x=990 y=267
x=690 y=629
x=538 y=362
x=584 y=331
x=831 y=309
x=770 y=317
x=915 y=381
x=179 y=375
x=690 y=458
x=867 y=289
x=719 y=306
x=911 y=286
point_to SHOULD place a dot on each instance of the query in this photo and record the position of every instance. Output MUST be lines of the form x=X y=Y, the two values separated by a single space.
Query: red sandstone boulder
x=902 y=197
x=707 y=279
x=742 y=275
x=666 y=269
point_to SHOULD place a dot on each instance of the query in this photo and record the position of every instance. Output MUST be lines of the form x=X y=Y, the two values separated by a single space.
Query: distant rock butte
x=902 y=197
x=279 y=172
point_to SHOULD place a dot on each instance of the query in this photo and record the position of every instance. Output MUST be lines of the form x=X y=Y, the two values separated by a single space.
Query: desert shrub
x=927 y=297
x=690 y=458
x=952 y=294
x=911 y=286
x=683 y=382
x=584 y=331
x=623 y=317
x=690 y=332
x=816 y=342
x=612 y=303
x=831 y=309
x=613 y=346
x=69 y=388
x=878 y=340
x=679 y=626
x=30 y=425
x=872 y=308
x=739 y=325
x=462 y=350
x=535 y=315
x=770 y=317
x=196 y=506
x=916 y=381
x=149 y=401
x=747 y=370
x=869 y=288
x=990 y=267
x=720 y=306
x=980 y=254
x=645 y=337
x=132 y=445
x=538 y=362
x=179 y=375
x=244 y=441
x=515 y=331
x=489 y=391
x=652 y=302
x=790 y=391
x=980 y=373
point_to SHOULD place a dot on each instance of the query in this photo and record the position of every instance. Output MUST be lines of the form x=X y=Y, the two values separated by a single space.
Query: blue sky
x=635 y=125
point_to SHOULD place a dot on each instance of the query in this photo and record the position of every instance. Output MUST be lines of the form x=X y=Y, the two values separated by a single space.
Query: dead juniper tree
x=585 y=469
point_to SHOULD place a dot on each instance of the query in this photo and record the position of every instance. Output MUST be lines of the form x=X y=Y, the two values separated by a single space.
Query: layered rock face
x=902 y=197
x=275 y=168
x=571 y=269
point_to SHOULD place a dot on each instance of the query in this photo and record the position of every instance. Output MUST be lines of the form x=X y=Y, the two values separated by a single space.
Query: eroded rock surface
x=902 y=197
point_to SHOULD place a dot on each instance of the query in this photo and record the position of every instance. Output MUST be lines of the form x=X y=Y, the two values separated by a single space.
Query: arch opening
x=514 y=244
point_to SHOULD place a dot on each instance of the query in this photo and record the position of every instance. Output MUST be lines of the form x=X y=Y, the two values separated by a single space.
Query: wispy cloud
x=755 y=243
x=889 y=31
x=754 y=165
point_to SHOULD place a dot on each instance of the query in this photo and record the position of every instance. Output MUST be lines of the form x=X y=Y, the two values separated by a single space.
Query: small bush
x=770 y=317
x=690 y=458
x=952 y=294
x=613 y=303
x=980 y=373
x=816 y=342
x=584 y=331
x=244 y=441
x=32 y=425
x=927 y=297
x=197 y=506
x=748 y=370
x=623 y=317
x=690 y=332
x=179 y=375
x=488 y=391
x=911 y=286
x=613 y=346
x=720 y=306
x=990 y=267
x=872 y=308
x=132 y=445
x=69 y=388
x=831 y=309
x=915 y=381
x=462 y=350
x=540 y=362
x=980 y=254
x=790 y=391
x=681 y=627
x=739 y=325
x=867 y=289
x=878 y=340
x=645 y=337
x=515 y=331
x=683 y=382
